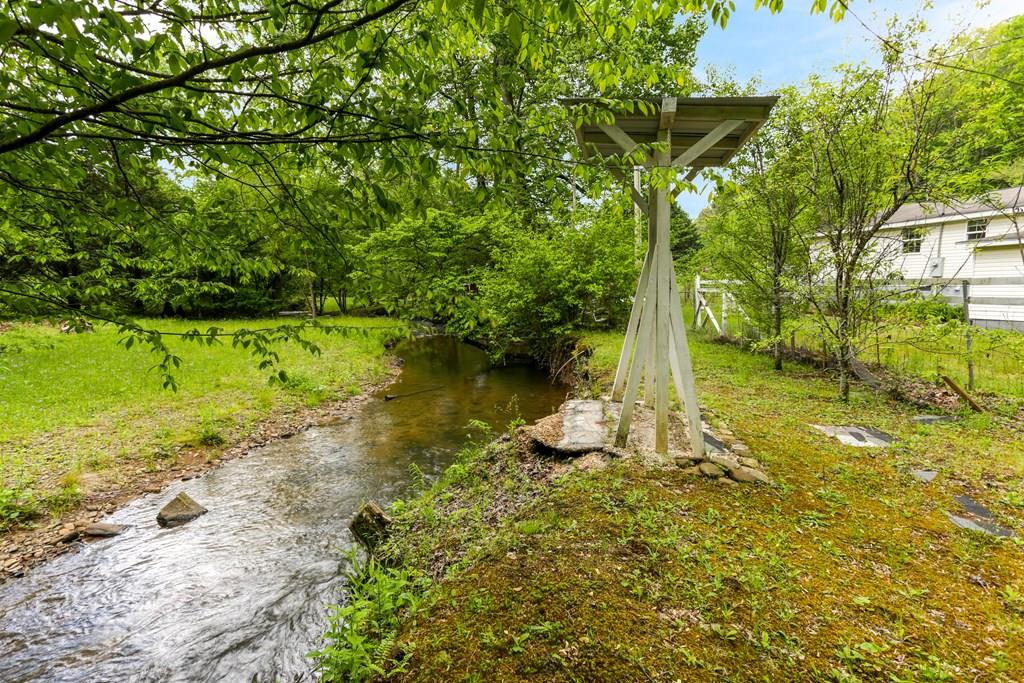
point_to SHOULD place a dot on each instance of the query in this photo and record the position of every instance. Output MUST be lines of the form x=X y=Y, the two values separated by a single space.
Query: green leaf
x=8 y=27
x=515 y=30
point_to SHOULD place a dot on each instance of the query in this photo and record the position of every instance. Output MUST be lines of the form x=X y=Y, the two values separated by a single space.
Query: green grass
x=81 y=403
x=922 y=350
x=847 y=570
x=930 y=352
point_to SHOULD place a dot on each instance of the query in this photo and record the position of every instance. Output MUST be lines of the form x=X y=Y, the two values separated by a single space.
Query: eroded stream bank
x=242 y=591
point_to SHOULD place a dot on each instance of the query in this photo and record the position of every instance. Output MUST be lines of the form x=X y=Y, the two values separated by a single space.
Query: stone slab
x=180 y=510
x=712 y=443
x=861 y=437
x=985 y=527
x=933 y=419
x=582 y=426
x=973 y=507
x=924 y=475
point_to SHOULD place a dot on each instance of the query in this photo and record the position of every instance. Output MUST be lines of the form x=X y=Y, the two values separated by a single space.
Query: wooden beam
x=632 y=330
x=955 y=282
x=621 y=138
x=663 y=261
x=708 y=313
x=684 y=370
x=958 y=390
x=643 y=341
x=668 y=113
x=997 y=300
x=637 y=197
x=582 y=143
x=719 y=132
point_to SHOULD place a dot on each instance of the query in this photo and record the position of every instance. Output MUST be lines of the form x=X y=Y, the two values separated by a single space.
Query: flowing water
x=241 y=594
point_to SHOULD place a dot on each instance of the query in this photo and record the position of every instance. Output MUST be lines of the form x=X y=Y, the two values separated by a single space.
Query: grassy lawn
x=81 y=410
x=847 y=570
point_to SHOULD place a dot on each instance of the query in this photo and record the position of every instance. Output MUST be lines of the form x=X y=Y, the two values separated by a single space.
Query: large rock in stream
x=370 y=526
x=181 y=509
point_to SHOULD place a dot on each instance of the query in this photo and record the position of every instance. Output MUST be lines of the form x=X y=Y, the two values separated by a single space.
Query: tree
x=755 y=230
x=98 y=96
x=978 y=147
x=866 y=139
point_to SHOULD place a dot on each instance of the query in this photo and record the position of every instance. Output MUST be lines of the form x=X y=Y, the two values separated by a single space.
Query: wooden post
x=725 y=311
x=684 y=374
x=625 y=356
x=663 y=254
x=965 y=285
x=696 y=302
x=637 y=215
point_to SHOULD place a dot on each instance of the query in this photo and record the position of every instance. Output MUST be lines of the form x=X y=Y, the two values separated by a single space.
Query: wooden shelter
x=694 y=133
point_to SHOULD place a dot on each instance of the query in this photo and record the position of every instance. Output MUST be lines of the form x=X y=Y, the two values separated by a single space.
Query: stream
x=242 y=593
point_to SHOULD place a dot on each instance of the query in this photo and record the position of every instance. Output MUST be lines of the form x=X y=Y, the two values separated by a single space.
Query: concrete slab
x=933 y=419
x=861 y=437
x=924 y=475
x=582 y=426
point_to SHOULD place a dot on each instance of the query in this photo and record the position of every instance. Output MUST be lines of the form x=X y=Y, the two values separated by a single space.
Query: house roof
x=1009 y=198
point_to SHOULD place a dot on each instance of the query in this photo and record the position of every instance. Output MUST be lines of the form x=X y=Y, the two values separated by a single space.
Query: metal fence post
x=966 y=287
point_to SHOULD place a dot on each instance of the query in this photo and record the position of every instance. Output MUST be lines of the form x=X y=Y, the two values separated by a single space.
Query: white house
x=969 y=241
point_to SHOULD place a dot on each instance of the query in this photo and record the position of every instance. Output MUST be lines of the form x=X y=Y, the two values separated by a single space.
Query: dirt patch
x=24 y=547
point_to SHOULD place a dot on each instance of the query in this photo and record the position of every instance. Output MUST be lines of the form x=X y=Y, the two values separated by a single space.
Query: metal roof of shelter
x=705 y=131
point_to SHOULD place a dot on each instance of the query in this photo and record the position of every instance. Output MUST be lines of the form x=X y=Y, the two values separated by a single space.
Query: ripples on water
x=241 y=593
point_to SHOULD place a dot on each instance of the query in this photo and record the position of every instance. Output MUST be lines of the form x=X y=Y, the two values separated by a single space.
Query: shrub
x=362 y=632
x=17 y=504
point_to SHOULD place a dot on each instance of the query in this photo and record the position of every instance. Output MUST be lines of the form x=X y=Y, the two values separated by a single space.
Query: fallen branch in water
x=392 y=397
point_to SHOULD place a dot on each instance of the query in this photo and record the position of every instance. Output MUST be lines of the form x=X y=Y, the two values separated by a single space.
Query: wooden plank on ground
x=959 y=391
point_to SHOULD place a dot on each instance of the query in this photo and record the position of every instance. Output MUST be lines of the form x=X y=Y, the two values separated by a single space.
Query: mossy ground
x=846 y=570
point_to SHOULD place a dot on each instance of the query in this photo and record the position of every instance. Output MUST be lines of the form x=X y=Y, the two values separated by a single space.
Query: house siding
x=947 y=241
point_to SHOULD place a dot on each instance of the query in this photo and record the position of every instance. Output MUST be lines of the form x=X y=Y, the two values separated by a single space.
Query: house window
x=976 y=228
x=912 y=239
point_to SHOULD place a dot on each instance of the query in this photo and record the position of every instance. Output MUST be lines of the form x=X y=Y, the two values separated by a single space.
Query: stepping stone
x=973 y=507
x=933 y=419
x=924 y=475
x=862 y=437
x=990 y=528
x=582 y=427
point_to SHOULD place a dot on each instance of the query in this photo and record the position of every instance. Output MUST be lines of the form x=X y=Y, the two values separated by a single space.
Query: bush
x=17 y=505
x=362 y=632
x=543 y=286
x=924 y=309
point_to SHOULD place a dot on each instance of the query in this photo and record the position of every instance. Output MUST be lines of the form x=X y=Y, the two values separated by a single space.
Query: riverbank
x=87 y=426
x=517 y=567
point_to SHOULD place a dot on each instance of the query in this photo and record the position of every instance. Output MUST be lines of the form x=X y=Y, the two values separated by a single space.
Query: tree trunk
x=844 y=359
x=777 y=333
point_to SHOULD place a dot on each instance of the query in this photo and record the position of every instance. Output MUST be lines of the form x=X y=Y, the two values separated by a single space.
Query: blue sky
x=785 y=48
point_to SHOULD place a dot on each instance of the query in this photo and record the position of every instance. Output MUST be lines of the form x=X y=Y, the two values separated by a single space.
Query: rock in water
x=370 y=526
x=102 y=529
x=181 y=509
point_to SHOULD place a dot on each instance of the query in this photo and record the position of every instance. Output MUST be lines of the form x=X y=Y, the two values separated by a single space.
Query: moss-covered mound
x=529 y=569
